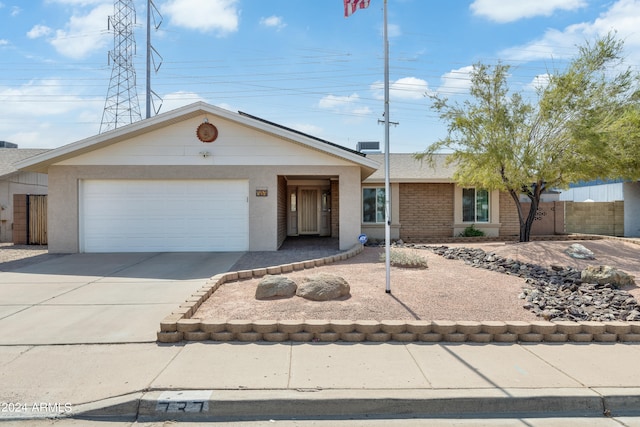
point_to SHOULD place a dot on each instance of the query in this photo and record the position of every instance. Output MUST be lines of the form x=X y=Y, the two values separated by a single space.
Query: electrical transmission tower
x=152 y=54
x=121 y=106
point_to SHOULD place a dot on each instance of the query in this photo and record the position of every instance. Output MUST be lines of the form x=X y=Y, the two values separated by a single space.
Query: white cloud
x=539 y=82
x=220 y=16
x=39 y=31
x=83 y=35
x=344 y=105
x=33 y=112
x=508 y=11
x=554 y=44
x=15 y=11
x=404 y=88
x=456 y=81
x=332 y=102
x=4 y=42
x=32 y=95
x=623 y=17
x=273 y=22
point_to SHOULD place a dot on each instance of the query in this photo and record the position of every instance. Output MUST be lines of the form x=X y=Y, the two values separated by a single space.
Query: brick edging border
x=179 y=325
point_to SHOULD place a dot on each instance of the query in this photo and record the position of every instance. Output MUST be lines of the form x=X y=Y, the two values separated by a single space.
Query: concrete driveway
x=100 y=298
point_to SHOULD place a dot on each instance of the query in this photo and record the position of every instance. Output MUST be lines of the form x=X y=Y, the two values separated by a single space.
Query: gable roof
x=10 y=156
x=406 y=168
x=40 y=163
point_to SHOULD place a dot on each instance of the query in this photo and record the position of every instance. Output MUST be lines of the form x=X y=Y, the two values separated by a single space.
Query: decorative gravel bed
x=555 y=293
x=190 y=322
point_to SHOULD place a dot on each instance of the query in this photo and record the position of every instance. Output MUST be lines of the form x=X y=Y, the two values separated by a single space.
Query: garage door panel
x=166 y=216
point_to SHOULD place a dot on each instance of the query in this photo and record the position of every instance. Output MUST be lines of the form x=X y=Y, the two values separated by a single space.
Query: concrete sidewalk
x=230 y=381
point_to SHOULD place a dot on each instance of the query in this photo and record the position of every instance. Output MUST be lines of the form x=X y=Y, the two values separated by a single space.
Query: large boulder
x=579 y=252
x=604 y=274
x=275 y=286
x=323 y=287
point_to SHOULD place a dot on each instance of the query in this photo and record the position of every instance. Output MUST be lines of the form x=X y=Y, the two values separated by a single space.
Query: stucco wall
x=349 y=201
x=263 y=211
x=549 y=218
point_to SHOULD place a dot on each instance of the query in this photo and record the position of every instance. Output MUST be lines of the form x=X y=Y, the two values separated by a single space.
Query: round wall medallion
x=207 y=132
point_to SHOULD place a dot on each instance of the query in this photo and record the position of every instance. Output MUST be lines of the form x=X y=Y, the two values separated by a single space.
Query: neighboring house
x=155 y=185
x=426 y=203
x=594 y=191
x=13 y=181
x=610 y=191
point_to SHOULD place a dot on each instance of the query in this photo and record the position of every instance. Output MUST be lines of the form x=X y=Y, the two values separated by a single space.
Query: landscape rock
x=555 y=293
x=578 y=251
x=275 y=286
x=323 y=287
x=604 y=274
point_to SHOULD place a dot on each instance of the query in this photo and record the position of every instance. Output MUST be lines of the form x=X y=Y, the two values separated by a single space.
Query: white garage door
x=164 y=216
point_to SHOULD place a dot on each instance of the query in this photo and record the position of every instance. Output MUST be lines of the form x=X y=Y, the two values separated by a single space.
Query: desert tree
x=583 y=124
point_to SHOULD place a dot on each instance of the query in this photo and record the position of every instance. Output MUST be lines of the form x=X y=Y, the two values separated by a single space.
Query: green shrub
x=471 y=231
x=405 y=259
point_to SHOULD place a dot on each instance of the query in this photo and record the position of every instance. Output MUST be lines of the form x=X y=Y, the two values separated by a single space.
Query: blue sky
x=297 y=63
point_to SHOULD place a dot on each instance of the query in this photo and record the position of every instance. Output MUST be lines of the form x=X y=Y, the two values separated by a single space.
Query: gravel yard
x=446 y=290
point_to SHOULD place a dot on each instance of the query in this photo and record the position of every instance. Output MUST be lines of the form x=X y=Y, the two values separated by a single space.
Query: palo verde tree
x=583 y=125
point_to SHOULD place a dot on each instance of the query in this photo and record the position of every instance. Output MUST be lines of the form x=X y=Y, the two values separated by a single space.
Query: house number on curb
x=184 y=401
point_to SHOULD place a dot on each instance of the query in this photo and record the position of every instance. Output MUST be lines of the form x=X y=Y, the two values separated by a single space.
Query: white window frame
x=475 y=206
x=379 y=209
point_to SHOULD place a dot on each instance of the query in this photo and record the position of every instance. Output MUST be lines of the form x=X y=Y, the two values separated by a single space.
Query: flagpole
x=387 y=190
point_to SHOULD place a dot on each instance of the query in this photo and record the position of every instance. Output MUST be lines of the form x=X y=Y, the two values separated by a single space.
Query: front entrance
x=309 y=211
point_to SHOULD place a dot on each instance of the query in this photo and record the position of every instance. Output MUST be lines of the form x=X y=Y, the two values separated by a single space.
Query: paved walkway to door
x=294 y=249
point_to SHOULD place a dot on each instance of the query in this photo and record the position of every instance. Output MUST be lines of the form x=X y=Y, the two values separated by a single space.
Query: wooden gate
x=29 y=219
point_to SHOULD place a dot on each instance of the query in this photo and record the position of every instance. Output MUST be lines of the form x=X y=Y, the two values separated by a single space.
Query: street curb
x=245 y=405
x=123 y=407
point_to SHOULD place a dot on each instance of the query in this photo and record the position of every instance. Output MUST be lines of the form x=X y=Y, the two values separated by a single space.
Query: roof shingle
x=406 y=168
x=9 y=156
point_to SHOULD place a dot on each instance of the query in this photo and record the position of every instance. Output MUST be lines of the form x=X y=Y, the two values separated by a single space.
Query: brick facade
x=335 y=208
x=510 y=223
x=282 y=210
x=426 y=210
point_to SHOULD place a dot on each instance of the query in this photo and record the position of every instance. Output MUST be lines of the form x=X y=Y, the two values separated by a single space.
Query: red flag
x=350 y=6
